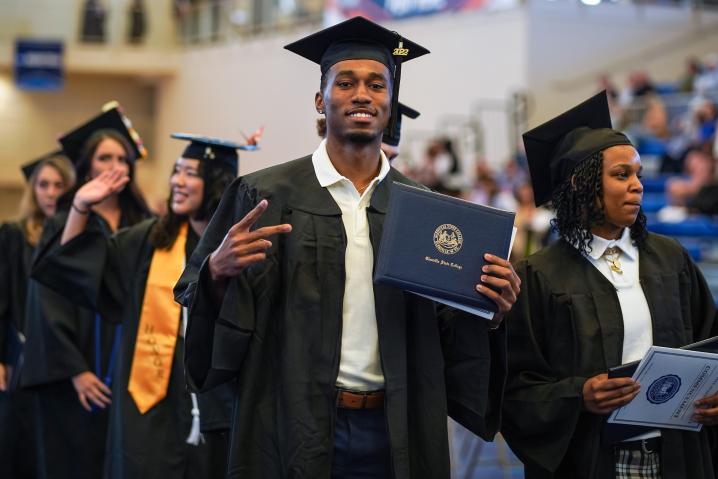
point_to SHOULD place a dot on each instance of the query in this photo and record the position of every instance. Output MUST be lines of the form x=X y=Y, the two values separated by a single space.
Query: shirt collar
x=328 y=175
x=599 y=245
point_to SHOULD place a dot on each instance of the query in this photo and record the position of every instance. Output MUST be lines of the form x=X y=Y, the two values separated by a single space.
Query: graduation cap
x=110 y=119
x=213 y=150
x=29 y=168
x=360 y=39
x=402 y=111
x=555 y=148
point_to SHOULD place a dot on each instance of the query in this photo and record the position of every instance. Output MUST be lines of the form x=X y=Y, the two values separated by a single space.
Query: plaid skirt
x=637 y=463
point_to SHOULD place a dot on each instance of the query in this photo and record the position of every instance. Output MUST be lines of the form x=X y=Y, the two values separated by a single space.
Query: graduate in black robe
x=111 y=275
x=275 y=322
x=48 y=178
x=70 y=352
x=570 y=322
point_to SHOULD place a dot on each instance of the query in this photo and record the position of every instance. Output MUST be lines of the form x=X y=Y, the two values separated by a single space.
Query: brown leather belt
x=360 y=400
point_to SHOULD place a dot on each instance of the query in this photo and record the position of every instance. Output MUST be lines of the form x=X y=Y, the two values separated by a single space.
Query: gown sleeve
x=55 y=337
x=5 y=291
x=698 y=299
x=541 y=410
x=87 y=270
x=475 y=370
x=217 y=334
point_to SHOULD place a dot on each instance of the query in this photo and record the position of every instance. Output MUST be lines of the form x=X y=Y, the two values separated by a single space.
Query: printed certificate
x=671 y=381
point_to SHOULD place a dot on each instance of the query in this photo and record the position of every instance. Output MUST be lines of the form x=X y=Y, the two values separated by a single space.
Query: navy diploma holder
x=434 y=245
x=14 y=356
x=613 y=433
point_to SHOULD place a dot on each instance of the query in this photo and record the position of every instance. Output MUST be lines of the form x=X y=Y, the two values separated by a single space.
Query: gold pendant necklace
x=361 y=190
x=611 y=255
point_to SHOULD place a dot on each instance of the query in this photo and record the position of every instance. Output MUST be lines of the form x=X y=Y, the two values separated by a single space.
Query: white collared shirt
x=637 y=330
x=637 y=326
x=359 y=364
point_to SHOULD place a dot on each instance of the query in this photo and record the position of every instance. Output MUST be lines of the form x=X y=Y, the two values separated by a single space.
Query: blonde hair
x=31 y=216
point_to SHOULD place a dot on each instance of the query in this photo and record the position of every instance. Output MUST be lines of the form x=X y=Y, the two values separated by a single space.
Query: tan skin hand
x=706 y=411
x=602 y=395
x=91 y=193
x=241 y=247
x=104 y=185
x=500 y=274
x=3 y=377
x=91 y=390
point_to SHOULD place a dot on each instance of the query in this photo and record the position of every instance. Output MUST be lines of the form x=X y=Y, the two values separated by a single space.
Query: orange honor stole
x=158 y=328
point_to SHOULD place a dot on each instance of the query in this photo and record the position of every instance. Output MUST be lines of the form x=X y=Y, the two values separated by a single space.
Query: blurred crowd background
x=498 y=68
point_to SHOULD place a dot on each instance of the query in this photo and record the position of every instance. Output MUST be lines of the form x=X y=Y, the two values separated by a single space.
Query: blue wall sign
x=39 y=64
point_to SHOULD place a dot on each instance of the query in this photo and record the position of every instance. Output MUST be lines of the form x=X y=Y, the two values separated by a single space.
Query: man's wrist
x=214 y=274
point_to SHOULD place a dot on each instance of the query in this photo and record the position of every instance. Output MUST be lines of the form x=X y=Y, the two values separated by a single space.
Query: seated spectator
x=639 y=85
x=533 y=223
x=646 y=122
x=612 y=92
x=693 y=69
x=512 y=176
x=699 y=169
x=708 y=79
x=642 y=84
x=706 y=200
x=440 y=168
x=487 y=192
x=694 y=129
x=655 y=119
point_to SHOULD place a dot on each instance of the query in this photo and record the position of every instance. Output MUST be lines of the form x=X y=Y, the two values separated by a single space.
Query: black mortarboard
x=402 y=111
x=211 y=150
x=110 y=119
x=360 y=39
x=555 y=148
x=29 y=168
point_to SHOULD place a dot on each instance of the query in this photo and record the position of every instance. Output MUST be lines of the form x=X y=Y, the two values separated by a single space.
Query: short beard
x=360 y=138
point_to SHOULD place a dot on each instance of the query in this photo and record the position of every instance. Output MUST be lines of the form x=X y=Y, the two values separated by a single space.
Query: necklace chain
x=611 y=255
x=361 y=190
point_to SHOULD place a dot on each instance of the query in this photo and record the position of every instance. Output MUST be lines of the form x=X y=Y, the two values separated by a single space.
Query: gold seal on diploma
x=448 y=239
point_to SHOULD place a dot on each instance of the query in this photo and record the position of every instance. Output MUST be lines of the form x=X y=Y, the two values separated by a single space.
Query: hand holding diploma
x=680 y=391
x=602 y=395
x=706 y=411
x=500 y=274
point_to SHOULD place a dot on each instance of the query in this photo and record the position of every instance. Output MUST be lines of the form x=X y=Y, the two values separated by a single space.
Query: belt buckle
x=644 y=447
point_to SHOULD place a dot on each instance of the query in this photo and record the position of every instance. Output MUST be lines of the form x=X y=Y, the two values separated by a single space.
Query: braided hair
x=578 y=203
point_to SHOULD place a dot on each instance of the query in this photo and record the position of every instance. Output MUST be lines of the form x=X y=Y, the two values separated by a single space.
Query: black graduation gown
x=278 y=331
x=110 y=275
x=15 y=259
x=62 y=340
x=17 y=408
x=566 y=327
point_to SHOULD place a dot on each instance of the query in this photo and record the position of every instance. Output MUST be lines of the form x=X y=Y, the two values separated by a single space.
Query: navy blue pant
x=361 y=445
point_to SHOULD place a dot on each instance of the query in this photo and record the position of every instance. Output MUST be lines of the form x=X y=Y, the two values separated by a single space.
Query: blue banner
x=379 y=10
x=39 y=64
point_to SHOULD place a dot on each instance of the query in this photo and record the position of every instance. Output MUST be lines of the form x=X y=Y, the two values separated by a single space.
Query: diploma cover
x=434 y=245
x=14 y=356
x=612 y=432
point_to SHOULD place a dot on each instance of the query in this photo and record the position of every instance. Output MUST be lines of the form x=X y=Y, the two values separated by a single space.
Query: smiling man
x=336 y=376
